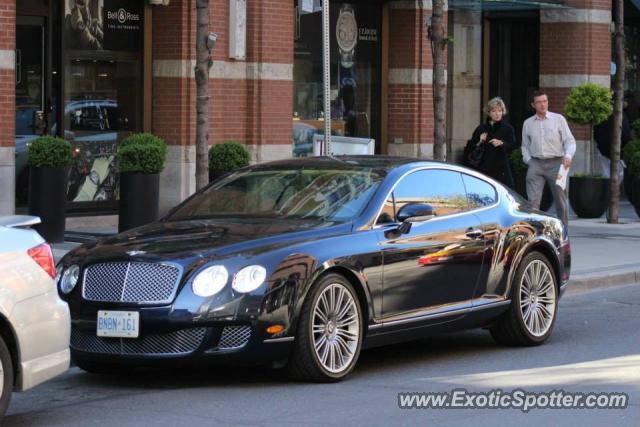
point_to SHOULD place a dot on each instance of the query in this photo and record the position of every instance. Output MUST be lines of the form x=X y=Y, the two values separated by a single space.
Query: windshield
x=329 y=194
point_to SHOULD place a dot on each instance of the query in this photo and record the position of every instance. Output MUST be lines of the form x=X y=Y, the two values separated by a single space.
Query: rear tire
x=534 y=304
x=6 y=365
x=329 y=334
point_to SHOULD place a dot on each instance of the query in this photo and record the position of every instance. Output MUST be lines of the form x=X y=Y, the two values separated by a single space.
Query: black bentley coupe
x=302 y=263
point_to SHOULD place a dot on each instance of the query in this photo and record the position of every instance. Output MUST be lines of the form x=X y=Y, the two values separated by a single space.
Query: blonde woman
x=489 y=147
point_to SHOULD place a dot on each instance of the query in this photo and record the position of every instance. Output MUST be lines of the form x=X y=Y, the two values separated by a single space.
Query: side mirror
x=408 y=214
x=416 y=212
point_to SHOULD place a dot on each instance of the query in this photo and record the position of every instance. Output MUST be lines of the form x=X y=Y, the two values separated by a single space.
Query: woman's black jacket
x=495 y=161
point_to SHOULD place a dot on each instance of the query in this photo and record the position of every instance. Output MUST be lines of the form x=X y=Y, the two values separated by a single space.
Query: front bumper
x=169 y=337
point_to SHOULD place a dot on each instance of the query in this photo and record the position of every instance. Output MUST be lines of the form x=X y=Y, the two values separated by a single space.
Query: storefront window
x=30 y=96
x=102 y=91
x=355 y=72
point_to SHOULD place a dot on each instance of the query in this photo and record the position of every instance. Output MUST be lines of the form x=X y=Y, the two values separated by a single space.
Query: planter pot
x=636 y=194
x=48 y=200
x=139 y=196
x=520 y=180
x=589 y=197
x=213 y=175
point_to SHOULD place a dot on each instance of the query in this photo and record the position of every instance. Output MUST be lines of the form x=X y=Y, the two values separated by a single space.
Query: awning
x=508 y=4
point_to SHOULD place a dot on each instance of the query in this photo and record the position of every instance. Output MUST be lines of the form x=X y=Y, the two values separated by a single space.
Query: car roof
x=351 y=162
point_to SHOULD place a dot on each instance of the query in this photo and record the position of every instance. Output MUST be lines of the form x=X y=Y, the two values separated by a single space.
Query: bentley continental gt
x=301 y=263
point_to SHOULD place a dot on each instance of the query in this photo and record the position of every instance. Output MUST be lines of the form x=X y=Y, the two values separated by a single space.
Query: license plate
x=121 y=324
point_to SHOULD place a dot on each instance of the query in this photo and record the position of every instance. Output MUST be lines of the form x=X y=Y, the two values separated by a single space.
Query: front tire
x=534 y=304
x=6 y=374
x=329 y=335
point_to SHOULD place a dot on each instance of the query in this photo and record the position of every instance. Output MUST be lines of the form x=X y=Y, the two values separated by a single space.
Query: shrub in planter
x=141 y=158
x=519 y=169
x=589 y=104
x=226 y=157
x=49 y=161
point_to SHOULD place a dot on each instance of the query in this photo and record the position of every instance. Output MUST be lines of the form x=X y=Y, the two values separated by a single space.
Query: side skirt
x=477 y=316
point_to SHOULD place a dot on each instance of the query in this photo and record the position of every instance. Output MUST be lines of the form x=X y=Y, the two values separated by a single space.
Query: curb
x=588 y=283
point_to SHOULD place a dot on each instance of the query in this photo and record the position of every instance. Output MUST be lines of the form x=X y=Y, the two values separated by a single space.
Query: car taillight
x=42 y=255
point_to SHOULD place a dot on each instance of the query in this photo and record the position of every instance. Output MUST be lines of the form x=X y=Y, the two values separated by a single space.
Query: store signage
x=123 y=25
x=368 y=34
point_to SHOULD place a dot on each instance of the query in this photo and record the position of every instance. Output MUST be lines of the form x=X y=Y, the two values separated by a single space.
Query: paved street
x=594 y=348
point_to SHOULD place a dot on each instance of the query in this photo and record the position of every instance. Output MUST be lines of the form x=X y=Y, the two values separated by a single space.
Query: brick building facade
x=254 y=99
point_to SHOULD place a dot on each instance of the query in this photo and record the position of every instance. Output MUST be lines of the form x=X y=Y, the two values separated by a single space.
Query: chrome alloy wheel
x=335 y=328
x=537 y=298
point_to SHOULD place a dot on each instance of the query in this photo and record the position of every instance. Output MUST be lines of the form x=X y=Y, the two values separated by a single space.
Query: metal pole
x=326 y=53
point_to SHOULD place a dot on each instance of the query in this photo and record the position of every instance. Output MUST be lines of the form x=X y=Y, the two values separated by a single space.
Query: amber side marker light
x=275 y=329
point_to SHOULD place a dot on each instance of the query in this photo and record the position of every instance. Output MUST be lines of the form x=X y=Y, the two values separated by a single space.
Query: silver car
x=34 y=321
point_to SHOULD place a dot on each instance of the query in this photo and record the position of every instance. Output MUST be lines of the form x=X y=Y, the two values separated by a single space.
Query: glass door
x=31 y=120
x=102 y=94
x=514 y=63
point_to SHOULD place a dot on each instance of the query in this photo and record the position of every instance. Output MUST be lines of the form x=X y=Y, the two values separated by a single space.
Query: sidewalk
x=601 y=254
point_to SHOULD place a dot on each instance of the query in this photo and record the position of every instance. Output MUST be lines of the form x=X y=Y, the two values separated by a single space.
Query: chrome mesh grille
x=180 y=342
x=234 y=337
x=135 y=282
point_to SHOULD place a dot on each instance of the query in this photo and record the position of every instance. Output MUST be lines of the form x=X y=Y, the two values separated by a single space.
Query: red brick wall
x=254 y=111
x=249 y=111
x=575 y=48
x=408 y=43
x=411 y=113
x=410 y=106
x=7 y=77
x=173 y=111
x=590 y=4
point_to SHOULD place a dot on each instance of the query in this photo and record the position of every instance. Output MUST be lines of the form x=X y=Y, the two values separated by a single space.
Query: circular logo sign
x=347 y=30
x=122 y=16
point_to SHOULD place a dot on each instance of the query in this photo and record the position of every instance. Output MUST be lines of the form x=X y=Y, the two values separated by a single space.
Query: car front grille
x=180 y=342
x=234 y=337
x=133 y=282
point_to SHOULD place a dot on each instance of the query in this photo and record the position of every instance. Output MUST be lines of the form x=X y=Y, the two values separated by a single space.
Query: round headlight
x=210 y=281
x=69 y=279
x=249 y=278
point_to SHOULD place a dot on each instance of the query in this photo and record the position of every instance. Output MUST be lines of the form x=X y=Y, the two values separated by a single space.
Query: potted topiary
x=49 y=161
x=589 y=104
x=226 y=157
x=141 y=158
x=632 y=161
x=519 y=169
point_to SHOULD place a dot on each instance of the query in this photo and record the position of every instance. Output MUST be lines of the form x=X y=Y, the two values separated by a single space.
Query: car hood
x=207 y=238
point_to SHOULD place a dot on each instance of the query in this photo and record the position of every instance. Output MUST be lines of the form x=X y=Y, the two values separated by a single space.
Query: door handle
x=474 y=233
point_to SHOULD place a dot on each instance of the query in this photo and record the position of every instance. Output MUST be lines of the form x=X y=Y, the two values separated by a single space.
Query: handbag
x=475 y=154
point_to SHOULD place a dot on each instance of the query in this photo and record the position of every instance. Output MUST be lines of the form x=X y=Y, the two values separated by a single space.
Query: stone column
x=575 y=47
x=251 y=98
x=410 y=99
x=173 y=109
x=7 y=106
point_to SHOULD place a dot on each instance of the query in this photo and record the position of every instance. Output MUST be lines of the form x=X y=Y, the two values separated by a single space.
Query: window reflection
x=102 y=105
x=355 y=82
x=441 y=189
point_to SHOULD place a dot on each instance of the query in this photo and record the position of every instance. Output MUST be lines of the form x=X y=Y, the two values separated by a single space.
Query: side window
x=441 y=189
x=479 y=193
